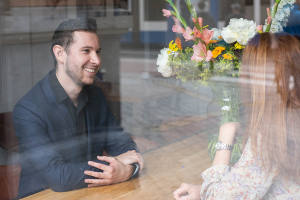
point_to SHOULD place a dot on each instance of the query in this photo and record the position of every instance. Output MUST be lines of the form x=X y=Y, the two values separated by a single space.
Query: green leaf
x=191 y=9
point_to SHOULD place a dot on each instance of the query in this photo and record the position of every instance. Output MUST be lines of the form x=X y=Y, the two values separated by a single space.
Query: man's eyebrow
x=87 y=47
x=90 y=47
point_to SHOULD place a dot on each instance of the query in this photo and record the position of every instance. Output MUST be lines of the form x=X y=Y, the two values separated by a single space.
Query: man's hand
x=131 y=157
x=187 y=192
x=115 y=172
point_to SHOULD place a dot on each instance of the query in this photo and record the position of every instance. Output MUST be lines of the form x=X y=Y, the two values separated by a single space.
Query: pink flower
x=166 y=13
x=199 y=20
x=177 y=28
x=188 y=34
x=197 y=33
x=259 y=28
x=205 y=35
x=269 y=18
x=201 y=53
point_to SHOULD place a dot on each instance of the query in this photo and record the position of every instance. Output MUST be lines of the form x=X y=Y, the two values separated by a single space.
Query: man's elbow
x=65 y=188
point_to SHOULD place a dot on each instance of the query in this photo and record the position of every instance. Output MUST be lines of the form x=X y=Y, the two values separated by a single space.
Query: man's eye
x=99 y=51
x=86 y=50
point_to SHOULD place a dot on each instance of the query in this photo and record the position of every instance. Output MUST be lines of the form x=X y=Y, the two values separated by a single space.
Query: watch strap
x=136 y=170
x=222 y=146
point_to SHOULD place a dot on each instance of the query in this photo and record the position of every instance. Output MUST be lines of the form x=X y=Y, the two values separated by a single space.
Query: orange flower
x=213 y=41
x=228 y=56
x=217 y=51
x=178 y=42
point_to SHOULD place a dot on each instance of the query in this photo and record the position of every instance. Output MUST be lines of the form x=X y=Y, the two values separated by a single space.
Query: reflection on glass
x=91 y=8
x=158 y=112
x=122 y=7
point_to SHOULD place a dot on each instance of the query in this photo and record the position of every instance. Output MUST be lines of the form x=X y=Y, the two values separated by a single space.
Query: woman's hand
x=187 y=192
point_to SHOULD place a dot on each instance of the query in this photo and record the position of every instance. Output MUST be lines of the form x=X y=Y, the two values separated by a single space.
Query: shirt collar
x=60 y=93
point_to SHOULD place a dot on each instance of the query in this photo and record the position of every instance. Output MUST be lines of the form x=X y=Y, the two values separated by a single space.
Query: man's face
x=82 y=60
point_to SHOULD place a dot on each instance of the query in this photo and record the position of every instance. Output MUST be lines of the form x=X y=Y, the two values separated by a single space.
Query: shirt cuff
x=215 y=173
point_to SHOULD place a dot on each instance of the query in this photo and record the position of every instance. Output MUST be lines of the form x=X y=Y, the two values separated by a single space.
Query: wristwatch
x=136 y=170
x=222 y=146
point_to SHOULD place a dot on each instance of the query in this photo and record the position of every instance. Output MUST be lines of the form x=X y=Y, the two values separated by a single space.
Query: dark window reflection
x=152 y=11
x=91 y=8
x=122 y=7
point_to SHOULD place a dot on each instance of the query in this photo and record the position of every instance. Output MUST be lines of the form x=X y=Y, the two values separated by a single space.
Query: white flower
x=282 y=15
x=288 y=1
x=240 y=30
x=226 y=99
x=162 y=62
x=275 y=27
x=217 y=33
x=226 y=108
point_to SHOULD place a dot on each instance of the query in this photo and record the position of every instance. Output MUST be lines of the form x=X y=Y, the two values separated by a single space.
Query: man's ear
x=59 y=53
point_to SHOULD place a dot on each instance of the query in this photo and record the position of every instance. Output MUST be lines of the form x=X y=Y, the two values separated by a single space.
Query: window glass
x=176 y=116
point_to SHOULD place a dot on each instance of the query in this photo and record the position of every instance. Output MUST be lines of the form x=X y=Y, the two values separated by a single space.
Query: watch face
x=218 y=146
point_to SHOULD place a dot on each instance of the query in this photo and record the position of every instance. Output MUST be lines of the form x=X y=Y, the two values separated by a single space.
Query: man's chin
x=89 y=81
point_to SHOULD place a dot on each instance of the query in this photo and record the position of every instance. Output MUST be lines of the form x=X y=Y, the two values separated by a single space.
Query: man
x=64 y=125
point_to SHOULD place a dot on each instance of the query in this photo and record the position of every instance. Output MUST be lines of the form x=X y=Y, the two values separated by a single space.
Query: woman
x=269 y=167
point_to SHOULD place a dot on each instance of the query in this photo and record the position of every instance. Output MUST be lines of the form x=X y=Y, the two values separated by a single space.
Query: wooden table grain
x=165 y=169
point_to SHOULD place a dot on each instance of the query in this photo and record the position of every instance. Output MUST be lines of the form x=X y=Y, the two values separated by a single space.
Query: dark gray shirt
x=77 y=113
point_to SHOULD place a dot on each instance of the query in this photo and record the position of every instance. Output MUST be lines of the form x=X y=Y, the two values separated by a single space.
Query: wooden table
x=166 y=168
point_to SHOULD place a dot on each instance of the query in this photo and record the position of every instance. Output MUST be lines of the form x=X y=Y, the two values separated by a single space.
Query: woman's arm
x=245 y=180
x=226 y=136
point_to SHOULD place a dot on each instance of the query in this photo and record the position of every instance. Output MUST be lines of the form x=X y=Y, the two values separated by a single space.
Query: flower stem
x=211 y=65
x=273 y=14
x=191 y=8
x=200 y=66
x=177 y=14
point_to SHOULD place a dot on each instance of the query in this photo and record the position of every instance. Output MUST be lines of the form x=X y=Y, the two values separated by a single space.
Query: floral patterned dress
x=246 y=180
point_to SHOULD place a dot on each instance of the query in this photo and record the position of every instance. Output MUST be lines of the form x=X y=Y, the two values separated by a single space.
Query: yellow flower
x=238 y=46
x=173 y=46
x=228 y=56
x=217 y=51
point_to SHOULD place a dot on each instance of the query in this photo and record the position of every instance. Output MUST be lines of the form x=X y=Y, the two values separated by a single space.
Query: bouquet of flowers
x=213 y=52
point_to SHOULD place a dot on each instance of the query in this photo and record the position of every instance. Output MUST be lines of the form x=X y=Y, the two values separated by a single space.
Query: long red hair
x=272 y=62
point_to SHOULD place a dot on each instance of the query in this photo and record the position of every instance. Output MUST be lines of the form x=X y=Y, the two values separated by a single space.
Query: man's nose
x=95 y=59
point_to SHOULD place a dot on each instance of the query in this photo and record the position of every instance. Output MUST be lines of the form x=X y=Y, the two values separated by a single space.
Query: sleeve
x=40 y=155
x=245 y=180
x=118 y=141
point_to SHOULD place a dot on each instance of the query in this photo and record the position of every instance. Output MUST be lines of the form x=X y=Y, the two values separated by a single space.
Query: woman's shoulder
x=284 y=189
